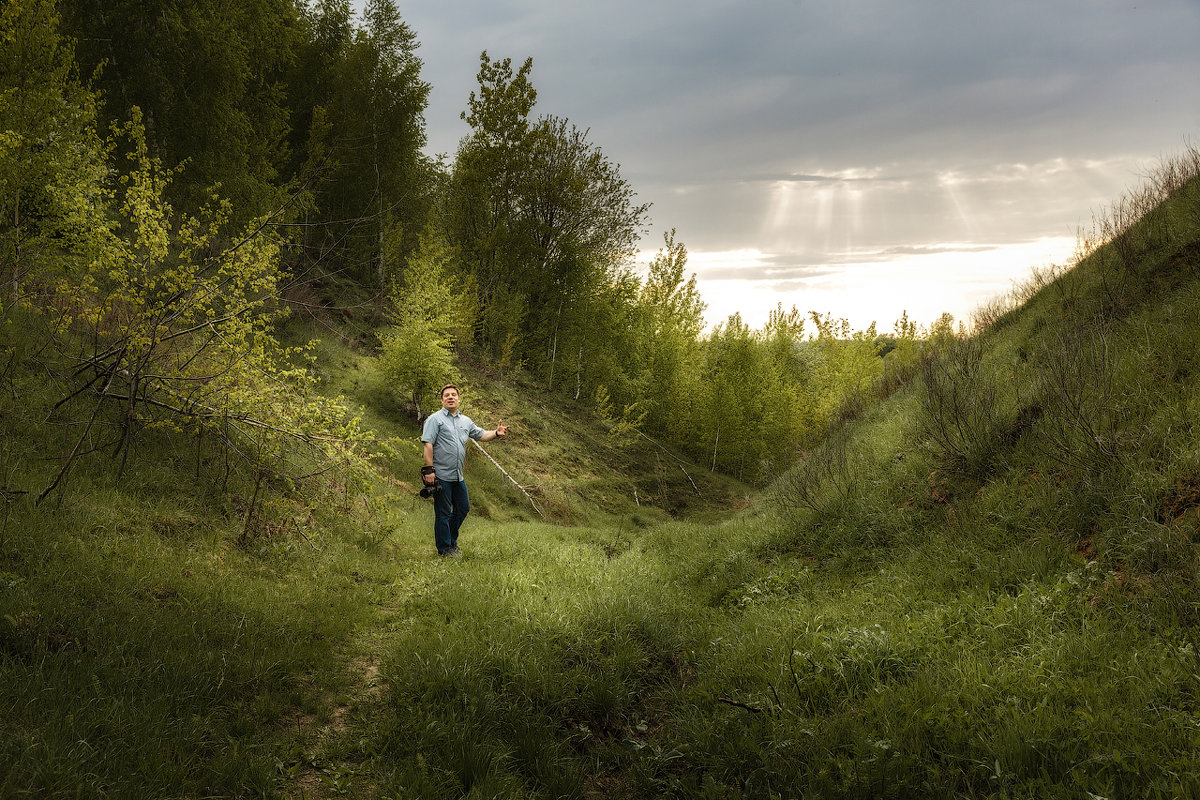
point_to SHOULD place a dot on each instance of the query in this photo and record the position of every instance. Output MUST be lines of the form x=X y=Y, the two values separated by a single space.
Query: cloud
x=834 y=134
x=929 y=250
x=682 y=81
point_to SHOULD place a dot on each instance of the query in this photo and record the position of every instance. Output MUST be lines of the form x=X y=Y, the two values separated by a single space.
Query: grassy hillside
x=984 y=584
x=571 y=467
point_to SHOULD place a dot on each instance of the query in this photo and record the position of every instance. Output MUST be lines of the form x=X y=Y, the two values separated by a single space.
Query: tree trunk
x=379 y=212
x=15 y=288
x=554 y=344
x=579 y=374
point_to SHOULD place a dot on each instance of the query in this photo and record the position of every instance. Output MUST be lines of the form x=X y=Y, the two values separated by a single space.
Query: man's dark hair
x=442 y=393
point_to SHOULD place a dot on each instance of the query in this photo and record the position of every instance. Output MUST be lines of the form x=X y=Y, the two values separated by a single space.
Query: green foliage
x=965 y=410
x=500 y=112
x=848 y=362
x=176 y=332
x=622 y=426
x=666 y=364
x=536 y=214
x=976 y=615
x=736 y=402
x=673 y=304
x=208 y=77
x=167 y=323
x=371 y=186
x=503 y=317
x=544 y=221
x=235 y=95
x=482 y=199
x=980 y=578
x=51 y=160
x=433 y=307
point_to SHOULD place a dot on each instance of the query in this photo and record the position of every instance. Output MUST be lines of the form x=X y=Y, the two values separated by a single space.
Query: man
x=445 y=437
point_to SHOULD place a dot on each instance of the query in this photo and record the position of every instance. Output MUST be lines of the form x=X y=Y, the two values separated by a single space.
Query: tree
x=375 y=183
x=901 y=351
x=52 y=163
x=580 y=223
x=735 y=401
x=752 y=410
x=608 y=356
x=209 y=77
x=481 y=205
x=171 y=327
x=541 y=215
x=848 y=362
x=668 y=355
x=675 y=305
x=396 y=102
x=791 y=416
x=432 y=307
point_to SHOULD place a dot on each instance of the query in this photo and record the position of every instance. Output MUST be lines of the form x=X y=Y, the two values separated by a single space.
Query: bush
x=963 y=414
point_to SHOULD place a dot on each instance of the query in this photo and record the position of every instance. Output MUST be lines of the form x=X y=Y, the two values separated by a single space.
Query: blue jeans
x=450 y=507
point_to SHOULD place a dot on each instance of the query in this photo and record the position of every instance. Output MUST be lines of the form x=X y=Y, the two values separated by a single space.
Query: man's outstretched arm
x=501 y=430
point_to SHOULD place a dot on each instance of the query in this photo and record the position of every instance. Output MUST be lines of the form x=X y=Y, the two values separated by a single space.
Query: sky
x=862 y=158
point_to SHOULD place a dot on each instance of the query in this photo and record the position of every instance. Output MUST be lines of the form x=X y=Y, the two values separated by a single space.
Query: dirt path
x=323 y=769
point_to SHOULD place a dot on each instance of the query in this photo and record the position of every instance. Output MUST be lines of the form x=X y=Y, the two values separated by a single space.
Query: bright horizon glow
x=955 y=278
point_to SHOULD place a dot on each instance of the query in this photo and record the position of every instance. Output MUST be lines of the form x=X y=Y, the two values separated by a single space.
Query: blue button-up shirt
x=448 y=433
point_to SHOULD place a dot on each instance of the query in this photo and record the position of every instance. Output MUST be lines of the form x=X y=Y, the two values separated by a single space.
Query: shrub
x=963 y=415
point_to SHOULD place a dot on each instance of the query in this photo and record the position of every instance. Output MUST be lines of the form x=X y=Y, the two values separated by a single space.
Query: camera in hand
x=429 y=490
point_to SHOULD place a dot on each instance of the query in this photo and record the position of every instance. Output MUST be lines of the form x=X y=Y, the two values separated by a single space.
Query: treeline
x=175 y=177
x=528 y=264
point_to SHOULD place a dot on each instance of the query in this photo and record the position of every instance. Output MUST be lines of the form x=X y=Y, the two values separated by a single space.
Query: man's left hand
x=501 y=429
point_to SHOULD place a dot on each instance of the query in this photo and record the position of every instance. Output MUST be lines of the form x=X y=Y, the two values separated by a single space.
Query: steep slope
x=571 y=468
x=983 y=584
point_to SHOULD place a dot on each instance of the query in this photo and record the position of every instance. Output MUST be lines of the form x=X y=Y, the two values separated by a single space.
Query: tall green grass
x=712 y=661
x=142 y=656
x=985 y=584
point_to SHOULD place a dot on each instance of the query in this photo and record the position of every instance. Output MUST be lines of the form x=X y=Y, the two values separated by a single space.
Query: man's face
x=450 y=399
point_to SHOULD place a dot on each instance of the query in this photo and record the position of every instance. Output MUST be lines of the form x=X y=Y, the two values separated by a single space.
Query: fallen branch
x=510 y=477
x=75 y=451
x=737 y=704
x=186 y=408
x=210 y=414
x=672 y=455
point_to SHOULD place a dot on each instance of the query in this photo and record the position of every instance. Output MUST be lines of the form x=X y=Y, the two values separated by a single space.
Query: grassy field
x=149 y=657
x=984 y=584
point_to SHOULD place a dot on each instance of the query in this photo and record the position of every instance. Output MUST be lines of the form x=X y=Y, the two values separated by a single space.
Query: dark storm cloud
x=685 y=93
